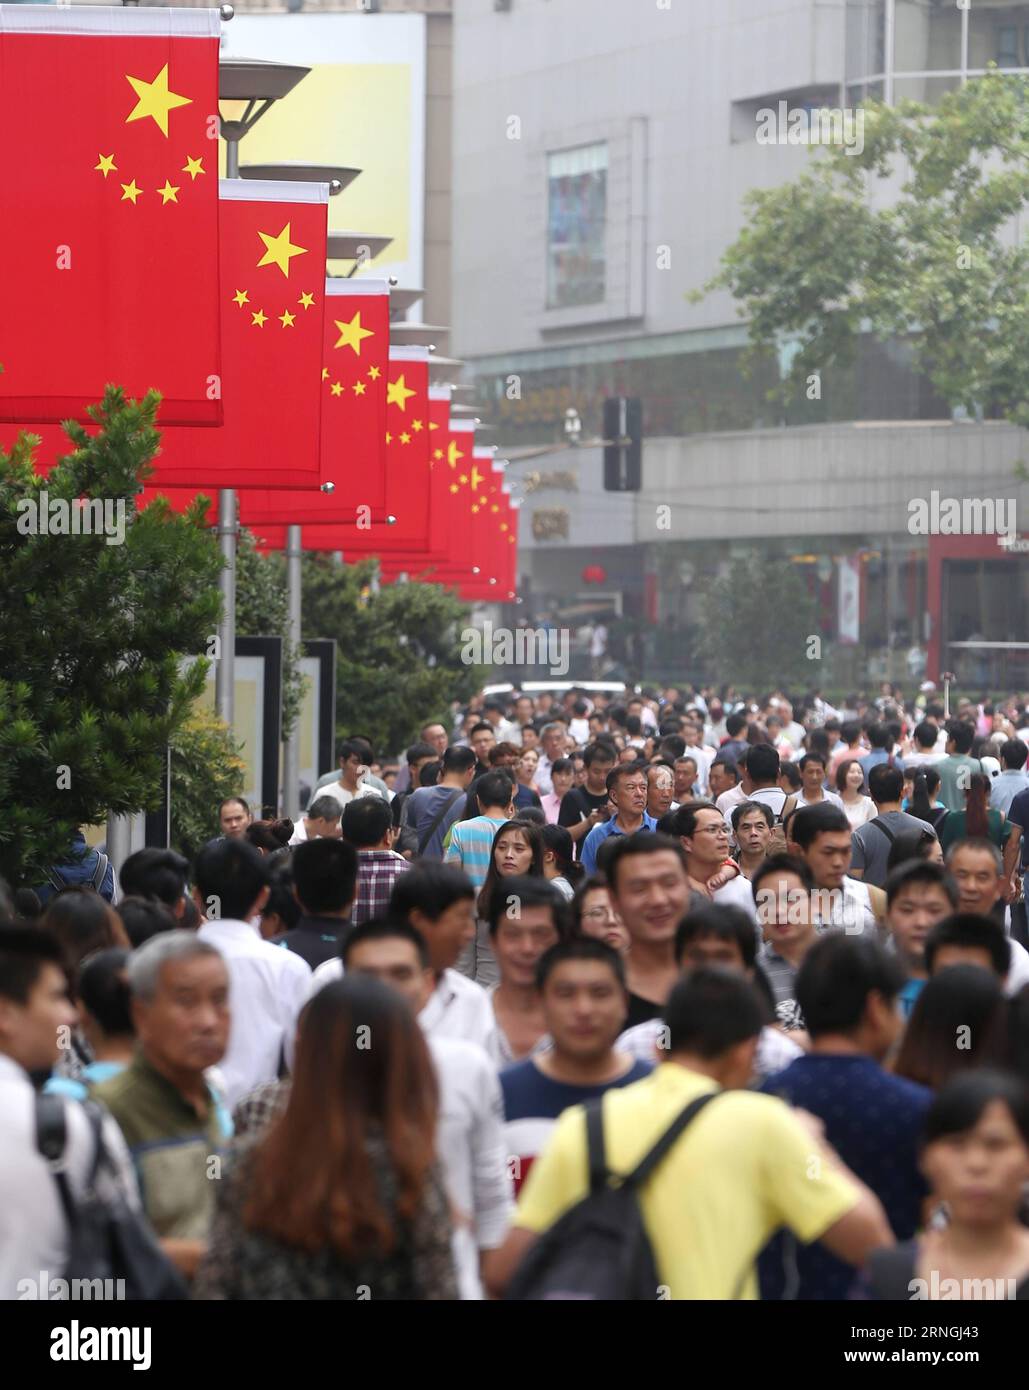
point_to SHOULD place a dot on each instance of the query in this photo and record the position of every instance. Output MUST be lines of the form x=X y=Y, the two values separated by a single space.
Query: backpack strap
x=880 y=824
x=51 y=1139
x=653 y=1157
x=427 y=834
x=101 y=871
x=56 y=880
x=595 y=1147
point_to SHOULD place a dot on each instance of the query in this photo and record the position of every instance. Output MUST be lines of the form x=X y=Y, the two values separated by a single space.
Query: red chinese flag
x=273 y=276
x=353 y=380
x=407 y=456
x=108 y=265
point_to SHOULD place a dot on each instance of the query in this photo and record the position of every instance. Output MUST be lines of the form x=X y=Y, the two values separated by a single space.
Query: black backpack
x=600 y=1248
x=107 y=1240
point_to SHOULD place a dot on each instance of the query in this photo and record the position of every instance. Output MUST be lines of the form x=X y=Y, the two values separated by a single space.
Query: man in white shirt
x=1013 y=779
x=469 y=1137
x=923 y=746
x=821 y=835
x=353 y=774
x=438 y=900
x=319 y=822
x=36 y=1017
x=553 y=738
x=268 y=986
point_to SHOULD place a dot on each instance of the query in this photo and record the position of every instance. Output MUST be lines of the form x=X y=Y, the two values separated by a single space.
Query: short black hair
x=233 y=872
x=959 y=1104
x=478 y=728
x=418 y=751
x=745 y=807
x=763 y=764
x=1013 y=754
x=351 y=748
x=711 y=1010
x=494 y=789
x=778 y=864
x=732 y=768
x=431 y=887
x=598 y=753
x=961 y=733
x=325 y=874
x=926 y=734
x=878 y=735
x=735 y=724
x=619 y=847
x=529 y=892
x=365 y=821
x=686 y=816
x=103 y=990
x=621 y=770
x=143 y=918
x=282 y=901
x=812 y=821
x=722 y=920
x=816 y=755
x=836 y=978
x=885 y=784
x=970 y=930
x=920 y=871
x=24 y=951
x=579 y=948
x=458 y=758
x=155 y=873
x=384 y=929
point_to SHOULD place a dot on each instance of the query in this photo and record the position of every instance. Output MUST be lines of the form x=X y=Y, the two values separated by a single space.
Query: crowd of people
x=761 y=963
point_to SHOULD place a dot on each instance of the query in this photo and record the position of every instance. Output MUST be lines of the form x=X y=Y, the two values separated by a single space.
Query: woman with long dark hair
x=923 y=804
x=341 y=1198
x=959 y=1021
x=559 y=866
x=975 y=1156
x=517 y=849
x=978 y=821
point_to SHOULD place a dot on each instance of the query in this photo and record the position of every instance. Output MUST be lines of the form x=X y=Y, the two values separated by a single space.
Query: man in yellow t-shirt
x=745 y=1166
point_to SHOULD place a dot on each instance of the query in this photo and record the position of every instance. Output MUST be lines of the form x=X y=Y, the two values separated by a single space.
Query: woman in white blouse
x=850 y=781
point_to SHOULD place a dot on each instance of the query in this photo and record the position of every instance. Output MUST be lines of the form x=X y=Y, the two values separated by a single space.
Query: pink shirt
x=551 y=804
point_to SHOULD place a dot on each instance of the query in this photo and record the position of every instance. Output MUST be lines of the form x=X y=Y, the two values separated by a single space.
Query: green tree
x=757 y=622
x=92 y=635
x=206 y=767
x=838 y=252
x=399 y=649
x=262 y=610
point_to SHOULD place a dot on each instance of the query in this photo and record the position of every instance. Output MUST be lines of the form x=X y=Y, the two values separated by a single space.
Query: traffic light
x=623 y=451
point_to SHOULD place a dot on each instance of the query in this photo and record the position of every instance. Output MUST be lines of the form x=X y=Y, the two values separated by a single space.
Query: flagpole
x=291 y=748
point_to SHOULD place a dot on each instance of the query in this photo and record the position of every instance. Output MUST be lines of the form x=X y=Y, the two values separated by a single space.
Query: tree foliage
x=399 y=649
x=92 y=637
x=839 y=251
x=206 y=767
x=756 y=624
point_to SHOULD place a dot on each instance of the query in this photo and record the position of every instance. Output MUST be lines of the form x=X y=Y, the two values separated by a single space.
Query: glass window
x=576 y=226
x=1007 y=46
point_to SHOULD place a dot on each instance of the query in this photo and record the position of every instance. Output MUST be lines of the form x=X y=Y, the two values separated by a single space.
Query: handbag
x=107 y=1240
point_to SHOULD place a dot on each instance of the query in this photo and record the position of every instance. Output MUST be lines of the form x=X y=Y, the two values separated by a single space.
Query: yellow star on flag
x=351 y=334
x=359 y=388
x=417 y=426
x=477 y=477
x=325 y=374
x=475 y=510
x=260 y=318
x=398 y=393
x=279 y=250
x=503 y=526
x=494 y=507
x=192 y=167
x=437 y=453
x=168 y=194
x=154 y=100
x=463 y=478
x=389 y=437
x=306 y=300
x=241 y=297
x=374 y=373
x=337 y=388
x=287 y=319
x=405 y=438
x=453 y=487
x=130 y=192
x=106 y=164
x=453 y=454
x=433 y=425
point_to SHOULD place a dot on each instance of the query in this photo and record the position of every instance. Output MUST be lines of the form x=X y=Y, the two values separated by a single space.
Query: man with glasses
x=627 y=792
x=704 y=836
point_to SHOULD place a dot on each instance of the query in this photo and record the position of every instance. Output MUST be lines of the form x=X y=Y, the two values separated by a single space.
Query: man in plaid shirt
x=367 y=824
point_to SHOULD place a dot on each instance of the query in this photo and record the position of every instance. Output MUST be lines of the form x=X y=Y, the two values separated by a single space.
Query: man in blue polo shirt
x=848 y=989
x=627 y=792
